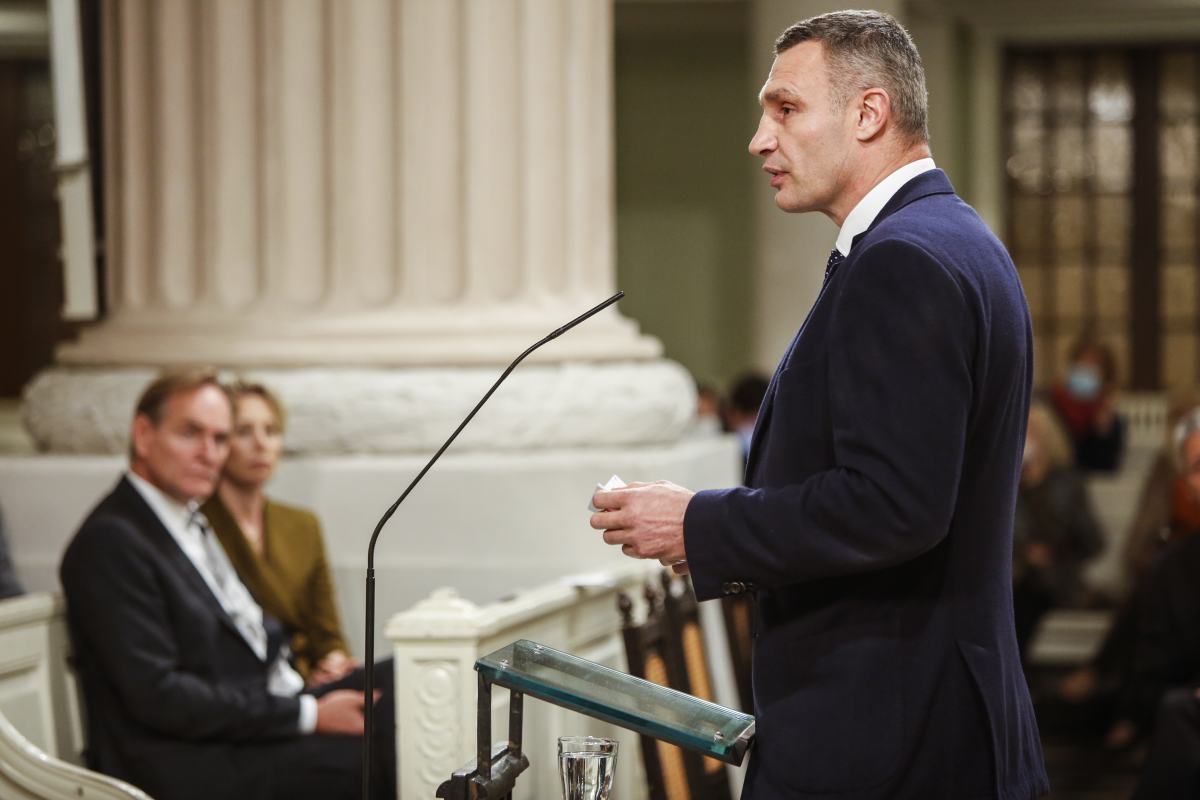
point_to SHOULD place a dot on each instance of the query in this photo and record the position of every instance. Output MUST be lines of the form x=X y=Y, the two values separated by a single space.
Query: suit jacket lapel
x=927 y=183
x=158 y=536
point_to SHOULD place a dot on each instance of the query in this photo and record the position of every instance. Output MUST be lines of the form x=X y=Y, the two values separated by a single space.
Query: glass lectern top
x=598 y=691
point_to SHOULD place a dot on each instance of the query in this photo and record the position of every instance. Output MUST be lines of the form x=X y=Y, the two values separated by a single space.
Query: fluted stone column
x=340 y=196
x=371 y=206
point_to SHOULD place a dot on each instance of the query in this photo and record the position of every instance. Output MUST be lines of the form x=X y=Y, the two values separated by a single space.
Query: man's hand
x=646 y=520
x=334 y=666
x=340 y=713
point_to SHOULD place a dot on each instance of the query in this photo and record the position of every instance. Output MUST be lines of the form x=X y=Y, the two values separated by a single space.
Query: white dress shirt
x=863 y=214
x=230 y=592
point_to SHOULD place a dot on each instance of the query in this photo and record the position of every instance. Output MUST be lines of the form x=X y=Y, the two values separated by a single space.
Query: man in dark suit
x=875 y=530
x=187 y=687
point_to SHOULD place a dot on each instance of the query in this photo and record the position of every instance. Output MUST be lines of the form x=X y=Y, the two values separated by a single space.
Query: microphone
x=369 y=676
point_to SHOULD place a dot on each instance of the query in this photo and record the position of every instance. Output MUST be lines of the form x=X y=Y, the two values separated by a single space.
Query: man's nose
x=763 y=141
x=212 y=451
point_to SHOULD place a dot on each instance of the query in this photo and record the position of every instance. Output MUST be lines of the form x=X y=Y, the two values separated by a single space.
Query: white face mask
x=1083 y=382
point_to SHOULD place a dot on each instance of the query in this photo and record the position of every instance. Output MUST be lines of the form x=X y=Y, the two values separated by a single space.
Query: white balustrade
x=436 y=643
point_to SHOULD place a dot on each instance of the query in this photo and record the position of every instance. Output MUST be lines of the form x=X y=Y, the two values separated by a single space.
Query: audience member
x=741 y=411
x=187 y=689
x=277 y=549
x=1167 y=511
x=1087 y=402
x=1163 y=697
x=1055 y=529
x=708 y=410
x=9 y=585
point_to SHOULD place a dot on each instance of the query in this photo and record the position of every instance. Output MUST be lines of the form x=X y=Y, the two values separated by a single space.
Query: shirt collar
x=863 y=214
x=173 y=514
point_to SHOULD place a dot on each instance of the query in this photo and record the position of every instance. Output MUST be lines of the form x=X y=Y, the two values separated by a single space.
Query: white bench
x=41 y=738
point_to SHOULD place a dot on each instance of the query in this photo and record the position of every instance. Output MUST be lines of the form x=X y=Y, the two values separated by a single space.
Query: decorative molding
x=445 y=615
x=438 y=733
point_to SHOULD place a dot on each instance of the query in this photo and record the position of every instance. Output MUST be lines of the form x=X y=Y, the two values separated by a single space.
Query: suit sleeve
x=118 y=611
x=900 y=345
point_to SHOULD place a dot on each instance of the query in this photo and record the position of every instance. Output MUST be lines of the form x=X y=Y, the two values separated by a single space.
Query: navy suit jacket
x=875 y=529
x=171 y=688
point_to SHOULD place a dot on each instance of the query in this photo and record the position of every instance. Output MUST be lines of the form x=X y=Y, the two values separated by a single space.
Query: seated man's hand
x=334 y=666
x=645 y=519
x=340 y=713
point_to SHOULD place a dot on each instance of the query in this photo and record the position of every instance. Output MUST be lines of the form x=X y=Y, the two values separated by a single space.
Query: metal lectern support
x=494 y=772
x=594 y=690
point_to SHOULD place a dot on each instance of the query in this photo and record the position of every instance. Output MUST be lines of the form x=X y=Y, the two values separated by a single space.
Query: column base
x=411 y=410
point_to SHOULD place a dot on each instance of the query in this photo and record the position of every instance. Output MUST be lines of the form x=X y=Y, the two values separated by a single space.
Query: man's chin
x=788 y=204
x=201 y=491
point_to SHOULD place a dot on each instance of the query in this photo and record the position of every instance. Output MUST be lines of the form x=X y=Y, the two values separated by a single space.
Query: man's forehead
x=208 y=403
x=792 y=71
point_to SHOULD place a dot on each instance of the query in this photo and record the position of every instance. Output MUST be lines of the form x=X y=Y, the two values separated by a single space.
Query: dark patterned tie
x=835 y=260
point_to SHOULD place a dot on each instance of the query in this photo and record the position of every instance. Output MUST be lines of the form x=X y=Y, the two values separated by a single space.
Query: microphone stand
x=369 y=676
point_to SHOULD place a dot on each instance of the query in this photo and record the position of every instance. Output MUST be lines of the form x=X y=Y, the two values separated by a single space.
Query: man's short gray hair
x=867 y=50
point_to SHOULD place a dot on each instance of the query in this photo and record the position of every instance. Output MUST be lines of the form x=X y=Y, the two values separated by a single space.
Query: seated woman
x=1086 y=401
x=1056 y=532
x=276 y=549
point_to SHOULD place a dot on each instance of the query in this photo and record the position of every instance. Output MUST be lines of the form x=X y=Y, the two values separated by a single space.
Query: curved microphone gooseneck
x=369 y=660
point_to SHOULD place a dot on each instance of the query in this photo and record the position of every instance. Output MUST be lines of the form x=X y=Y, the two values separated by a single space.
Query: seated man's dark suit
x=176 y=700
x=876 y=526
x=1166 y=673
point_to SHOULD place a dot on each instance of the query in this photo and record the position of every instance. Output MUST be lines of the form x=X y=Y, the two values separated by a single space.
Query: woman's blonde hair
x=239 y=389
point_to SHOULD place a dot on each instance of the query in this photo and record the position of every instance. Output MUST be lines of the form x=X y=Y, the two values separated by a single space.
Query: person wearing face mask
x=1086 y=401
x=277 y=549
x=1055 y=530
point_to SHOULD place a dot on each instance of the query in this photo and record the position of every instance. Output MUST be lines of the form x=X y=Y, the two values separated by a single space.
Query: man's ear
x=874 y=111
x=141 y=435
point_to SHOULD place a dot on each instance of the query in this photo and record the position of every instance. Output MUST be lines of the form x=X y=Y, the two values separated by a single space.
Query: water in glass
x=586 y=764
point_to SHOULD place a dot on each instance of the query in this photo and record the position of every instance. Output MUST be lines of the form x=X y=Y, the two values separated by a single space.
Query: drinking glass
x=586 y=764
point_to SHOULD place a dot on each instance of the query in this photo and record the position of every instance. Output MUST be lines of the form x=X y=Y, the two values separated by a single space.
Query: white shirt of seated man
x=191 y=532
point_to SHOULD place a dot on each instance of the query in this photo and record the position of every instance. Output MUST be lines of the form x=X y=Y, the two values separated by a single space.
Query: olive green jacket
x=290 y=579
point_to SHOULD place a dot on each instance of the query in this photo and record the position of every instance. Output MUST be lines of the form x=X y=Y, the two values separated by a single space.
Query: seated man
x=187 y=686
